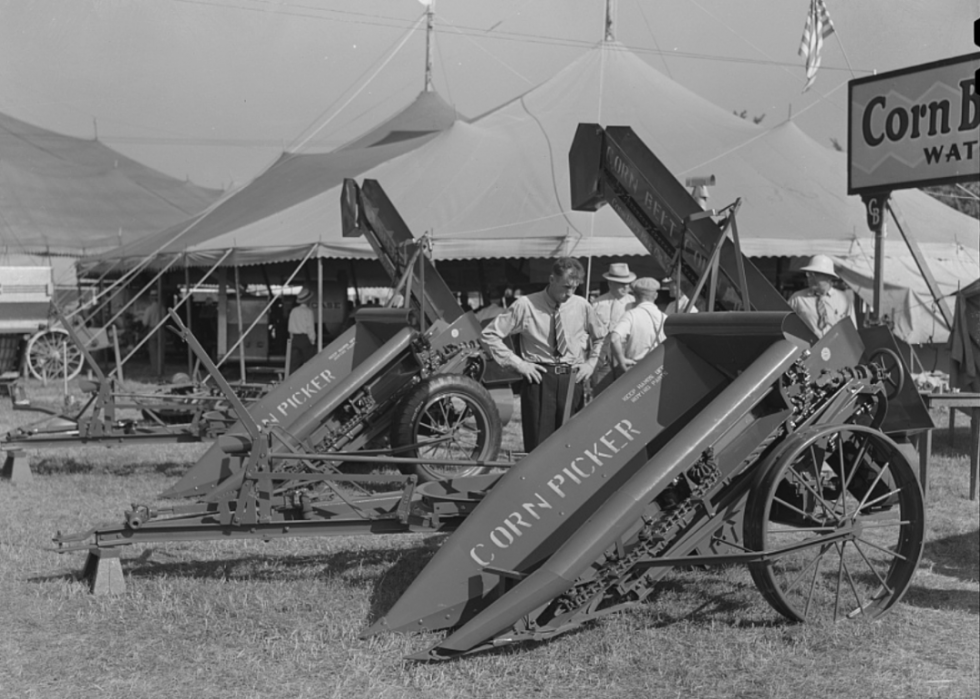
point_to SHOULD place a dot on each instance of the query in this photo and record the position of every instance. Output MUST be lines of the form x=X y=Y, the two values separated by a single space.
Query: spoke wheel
x=847 y=505
x=52 y=355
x=447 y=417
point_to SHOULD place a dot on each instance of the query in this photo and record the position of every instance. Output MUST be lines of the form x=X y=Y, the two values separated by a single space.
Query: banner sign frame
x=914 y=127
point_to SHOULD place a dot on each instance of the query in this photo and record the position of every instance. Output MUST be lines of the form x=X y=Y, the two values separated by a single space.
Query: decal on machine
x=302 y=395
x=557 y=488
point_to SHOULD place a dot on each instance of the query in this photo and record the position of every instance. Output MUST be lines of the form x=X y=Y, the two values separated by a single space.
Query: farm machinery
x=183 y=410
x=193 y=411
x=742 y=439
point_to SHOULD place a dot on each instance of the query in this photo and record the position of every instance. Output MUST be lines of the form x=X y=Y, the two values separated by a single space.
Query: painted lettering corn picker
x=741 y=439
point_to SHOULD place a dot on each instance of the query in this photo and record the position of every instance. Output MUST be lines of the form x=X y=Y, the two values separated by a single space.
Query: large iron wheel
x=841 y=520
x=892 y=370
x=448 y=416
x=52 y=355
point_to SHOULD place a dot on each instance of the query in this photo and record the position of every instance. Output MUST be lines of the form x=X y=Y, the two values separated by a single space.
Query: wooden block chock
x=103 y=571
x=17 y=467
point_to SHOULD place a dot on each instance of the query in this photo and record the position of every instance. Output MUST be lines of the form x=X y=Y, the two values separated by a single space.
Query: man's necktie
x=561 y=345
x=823 y=320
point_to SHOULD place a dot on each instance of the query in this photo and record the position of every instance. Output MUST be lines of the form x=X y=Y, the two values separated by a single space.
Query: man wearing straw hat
x=821 y=305
x=302 y=331
x=609 y=308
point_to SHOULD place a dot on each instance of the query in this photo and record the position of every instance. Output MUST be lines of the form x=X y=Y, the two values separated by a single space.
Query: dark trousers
x=543 y=406
x=302 y=351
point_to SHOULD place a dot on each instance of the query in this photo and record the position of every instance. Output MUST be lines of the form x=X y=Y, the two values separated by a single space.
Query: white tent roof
x=498 y=186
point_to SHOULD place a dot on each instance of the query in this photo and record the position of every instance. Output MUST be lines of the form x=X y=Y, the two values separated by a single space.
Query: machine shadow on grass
x=405 y=562
x=957 y=556
x=390 y=583
x=951 y=444
x=946 y=600
x=57 y=466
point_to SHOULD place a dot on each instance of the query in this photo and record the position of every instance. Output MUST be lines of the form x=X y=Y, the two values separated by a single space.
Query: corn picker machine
x=741 y=439
x=182 y=410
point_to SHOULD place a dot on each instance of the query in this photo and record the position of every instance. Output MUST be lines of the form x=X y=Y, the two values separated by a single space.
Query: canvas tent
x=64 y=197
x=498 y=186
x=279 y=200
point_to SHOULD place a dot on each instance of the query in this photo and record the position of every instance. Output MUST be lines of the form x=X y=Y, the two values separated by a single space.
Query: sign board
x=914 y=127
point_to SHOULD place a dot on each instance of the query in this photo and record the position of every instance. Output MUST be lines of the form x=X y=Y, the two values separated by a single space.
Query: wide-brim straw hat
x=304 y=296
x=619 y=272
x=822 y=265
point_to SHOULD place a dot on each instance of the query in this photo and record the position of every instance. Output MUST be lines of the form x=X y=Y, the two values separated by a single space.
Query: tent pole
x=241 y=325
x=265 y=309
x=159 y=337
x=150 y=334
x=142 y=291
x=187 y=313
x=319 y=304
x=920 y=261
x=588 y=277
x=222 y=311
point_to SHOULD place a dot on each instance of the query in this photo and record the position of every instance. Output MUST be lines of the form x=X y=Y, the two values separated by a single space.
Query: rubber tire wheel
x=47 y=352
x=880 y=519
x=440 y=405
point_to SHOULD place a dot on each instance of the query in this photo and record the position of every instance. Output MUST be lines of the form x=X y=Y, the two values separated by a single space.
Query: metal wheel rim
x=47 y=354
x=890 y=364
x=860 y=540
x=452 y=426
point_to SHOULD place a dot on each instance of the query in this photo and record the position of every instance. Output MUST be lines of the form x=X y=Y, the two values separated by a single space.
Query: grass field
x=250 y=619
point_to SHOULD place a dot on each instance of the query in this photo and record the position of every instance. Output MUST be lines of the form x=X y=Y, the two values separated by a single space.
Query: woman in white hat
x=821 y=305
x=302 y=331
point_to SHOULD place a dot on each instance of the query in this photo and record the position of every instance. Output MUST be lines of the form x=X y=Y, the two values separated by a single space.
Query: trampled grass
x=282 y=619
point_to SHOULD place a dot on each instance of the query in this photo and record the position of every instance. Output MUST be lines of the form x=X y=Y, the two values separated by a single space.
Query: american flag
x=818 y=27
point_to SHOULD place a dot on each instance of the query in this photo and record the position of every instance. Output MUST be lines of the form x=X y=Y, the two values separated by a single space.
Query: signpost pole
x=874 y=205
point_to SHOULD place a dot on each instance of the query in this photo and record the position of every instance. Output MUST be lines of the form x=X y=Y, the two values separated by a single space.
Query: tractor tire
x=448 y=416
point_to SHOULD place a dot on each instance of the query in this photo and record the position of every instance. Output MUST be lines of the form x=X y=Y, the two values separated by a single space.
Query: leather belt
x=557 y=368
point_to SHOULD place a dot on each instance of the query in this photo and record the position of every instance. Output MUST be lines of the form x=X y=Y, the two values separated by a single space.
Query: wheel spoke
x=794 y=508
x=813 y=581
x=815 y=562
x=854 y=468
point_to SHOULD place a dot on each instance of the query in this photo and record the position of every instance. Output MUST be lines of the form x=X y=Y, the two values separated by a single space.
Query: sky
x=215 y=90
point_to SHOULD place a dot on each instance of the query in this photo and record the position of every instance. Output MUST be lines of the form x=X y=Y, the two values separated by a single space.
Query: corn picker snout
x=741 y=439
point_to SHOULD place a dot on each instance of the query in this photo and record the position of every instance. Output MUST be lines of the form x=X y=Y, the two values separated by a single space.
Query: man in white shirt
x=821 y=305
x=559 y=345
x=609 y=308
x=492 y=309
x=302 y=331
x=640 y=329
x=679 y=302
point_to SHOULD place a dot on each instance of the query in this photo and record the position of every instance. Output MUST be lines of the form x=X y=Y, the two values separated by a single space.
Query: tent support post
x=588 y=277
x=187 y=313
x=222 y=311
x=241 y=326
x=226 y=353
x=319 y=304
x=924 y=268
